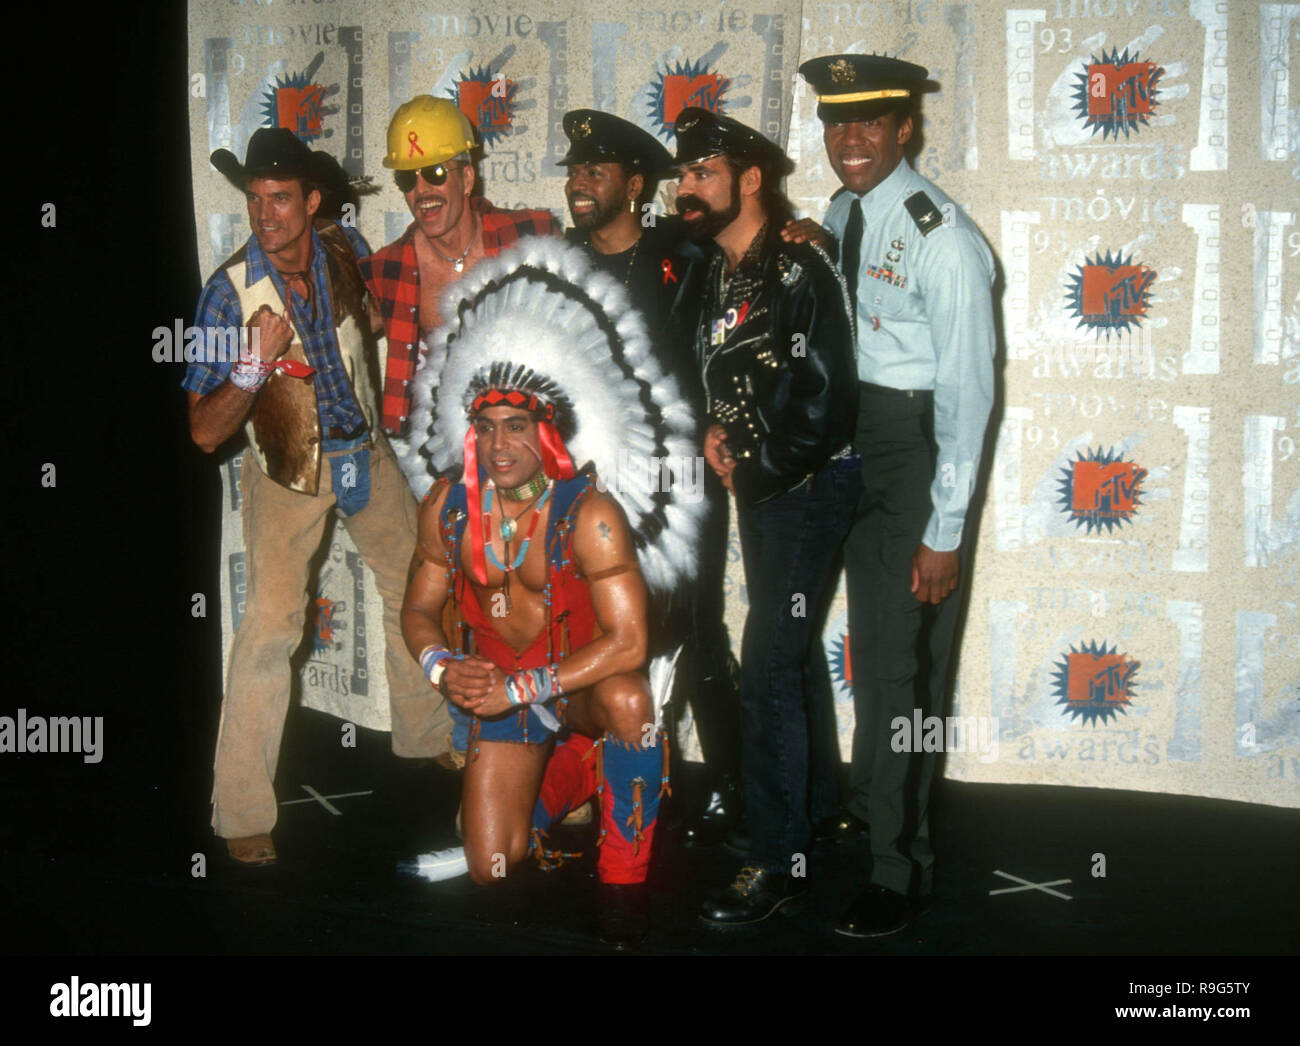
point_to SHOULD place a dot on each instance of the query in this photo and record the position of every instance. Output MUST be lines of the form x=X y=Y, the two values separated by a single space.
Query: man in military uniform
x=920 y=275
x=774 y=341
x=614 y=167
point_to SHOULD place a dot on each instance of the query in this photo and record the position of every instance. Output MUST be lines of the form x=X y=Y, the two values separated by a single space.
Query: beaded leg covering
x=632 y=779
x=569 y=781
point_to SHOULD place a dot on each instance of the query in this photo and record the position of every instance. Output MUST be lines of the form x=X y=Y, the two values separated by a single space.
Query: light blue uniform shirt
x=925 y=321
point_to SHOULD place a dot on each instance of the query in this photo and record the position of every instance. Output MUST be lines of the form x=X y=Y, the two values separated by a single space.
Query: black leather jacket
x=783 y=382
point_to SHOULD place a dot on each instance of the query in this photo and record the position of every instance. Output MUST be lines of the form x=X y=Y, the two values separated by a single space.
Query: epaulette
x=923 y=212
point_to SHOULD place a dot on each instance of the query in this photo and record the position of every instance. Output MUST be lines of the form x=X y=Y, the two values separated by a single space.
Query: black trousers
x=900 y=648
x=707 y=675
x=791 y=545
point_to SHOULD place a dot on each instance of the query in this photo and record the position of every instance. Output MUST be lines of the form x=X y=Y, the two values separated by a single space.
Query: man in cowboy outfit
x=305 y=401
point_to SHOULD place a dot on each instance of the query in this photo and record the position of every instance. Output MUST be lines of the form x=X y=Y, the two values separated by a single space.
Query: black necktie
x=851 y=251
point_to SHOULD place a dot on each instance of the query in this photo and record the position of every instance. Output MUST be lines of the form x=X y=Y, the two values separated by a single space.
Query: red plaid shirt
x=393 y=277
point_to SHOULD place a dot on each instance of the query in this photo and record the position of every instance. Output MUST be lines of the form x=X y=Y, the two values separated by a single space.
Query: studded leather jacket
x=775 y=345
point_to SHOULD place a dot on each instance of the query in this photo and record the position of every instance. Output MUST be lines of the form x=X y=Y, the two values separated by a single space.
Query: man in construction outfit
x=430 y=147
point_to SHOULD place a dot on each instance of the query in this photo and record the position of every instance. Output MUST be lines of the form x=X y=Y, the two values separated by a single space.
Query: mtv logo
x=486 y=103
x=299 y=109
x=324 y=609
x=682 y=91
x=1121 y=90
x=1106 y=488
x=1118 y=291
x=1098 y=678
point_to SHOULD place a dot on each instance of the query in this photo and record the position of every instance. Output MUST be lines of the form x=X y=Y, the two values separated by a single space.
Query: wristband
x=532 y=686
x=430 y=658
x=250 y=373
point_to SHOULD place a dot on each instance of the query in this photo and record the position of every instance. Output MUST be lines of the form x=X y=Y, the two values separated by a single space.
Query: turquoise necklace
x=509 y=528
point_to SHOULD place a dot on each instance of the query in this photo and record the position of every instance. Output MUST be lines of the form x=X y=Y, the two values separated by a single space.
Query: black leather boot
x=623 y=914
x=753 y=896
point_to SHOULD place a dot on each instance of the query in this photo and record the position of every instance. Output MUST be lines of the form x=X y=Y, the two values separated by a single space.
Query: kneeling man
x=526 y=604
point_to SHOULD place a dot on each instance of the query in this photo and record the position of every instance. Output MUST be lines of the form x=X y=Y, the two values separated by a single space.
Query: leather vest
x=283 y=428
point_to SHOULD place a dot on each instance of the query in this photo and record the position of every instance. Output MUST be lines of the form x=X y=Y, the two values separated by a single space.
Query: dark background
x=100 y=568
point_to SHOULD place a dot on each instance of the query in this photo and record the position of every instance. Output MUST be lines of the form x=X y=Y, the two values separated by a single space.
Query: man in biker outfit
x=774 y=341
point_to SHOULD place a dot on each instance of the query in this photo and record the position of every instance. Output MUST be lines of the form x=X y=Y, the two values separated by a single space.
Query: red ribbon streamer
x=294 y=369
x=667 y=266
x=555 y=458
x=475 y=507
x=413 y=138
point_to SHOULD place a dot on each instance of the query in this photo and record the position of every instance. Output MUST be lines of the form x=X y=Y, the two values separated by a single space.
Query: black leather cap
x=596 y=137
x=701 y=134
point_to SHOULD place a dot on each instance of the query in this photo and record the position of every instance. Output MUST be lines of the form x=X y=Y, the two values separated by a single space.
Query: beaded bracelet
x=531 y=686
x=431 y=656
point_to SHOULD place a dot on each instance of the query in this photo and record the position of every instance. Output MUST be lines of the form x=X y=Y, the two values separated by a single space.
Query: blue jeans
x=790 y=546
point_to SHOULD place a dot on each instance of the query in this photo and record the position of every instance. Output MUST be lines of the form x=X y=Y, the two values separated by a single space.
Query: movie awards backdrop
x=1133 y=164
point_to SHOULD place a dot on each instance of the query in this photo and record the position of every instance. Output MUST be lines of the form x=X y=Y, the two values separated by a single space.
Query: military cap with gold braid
x=853 y=87
x=596 y=137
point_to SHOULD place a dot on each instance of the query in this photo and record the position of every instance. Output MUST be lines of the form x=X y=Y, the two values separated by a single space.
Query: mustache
x=692 y=203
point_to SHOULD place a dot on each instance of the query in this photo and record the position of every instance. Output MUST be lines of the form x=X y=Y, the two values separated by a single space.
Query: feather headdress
x=540 y=319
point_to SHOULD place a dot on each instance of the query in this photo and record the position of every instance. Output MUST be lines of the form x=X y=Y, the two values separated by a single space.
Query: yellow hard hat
x=426 y=131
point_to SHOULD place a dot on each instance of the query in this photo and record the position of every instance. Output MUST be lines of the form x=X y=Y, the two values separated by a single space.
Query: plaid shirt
x=219 y=308
x=393 y=277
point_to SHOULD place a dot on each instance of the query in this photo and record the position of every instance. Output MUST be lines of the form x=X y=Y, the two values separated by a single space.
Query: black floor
x=99 y=864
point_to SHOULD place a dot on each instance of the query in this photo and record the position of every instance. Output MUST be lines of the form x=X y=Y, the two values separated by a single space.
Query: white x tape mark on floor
x=324 y=800
x=1027 y=885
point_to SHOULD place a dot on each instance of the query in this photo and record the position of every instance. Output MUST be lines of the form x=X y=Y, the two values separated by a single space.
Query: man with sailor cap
x=614 y=167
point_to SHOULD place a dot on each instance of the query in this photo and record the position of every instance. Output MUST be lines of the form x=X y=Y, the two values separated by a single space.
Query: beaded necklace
x=509 y=528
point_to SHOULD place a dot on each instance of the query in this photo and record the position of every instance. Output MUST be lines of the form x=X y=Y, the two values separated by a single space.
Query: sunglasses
x=435 y=175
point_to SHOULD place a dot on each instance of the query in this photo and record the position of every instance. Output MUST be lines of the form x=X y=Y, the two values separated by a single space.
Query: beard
x=599 y=216
x=712 y=222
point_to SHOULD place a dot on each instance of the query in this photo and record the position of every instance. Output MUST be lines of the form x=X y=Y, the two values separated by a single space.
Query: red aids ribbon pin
x=667 y=267
x=294 y=368
x=414 y=139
